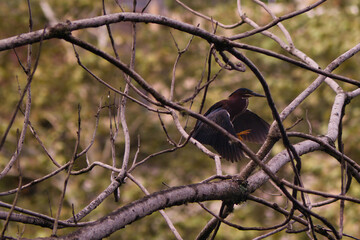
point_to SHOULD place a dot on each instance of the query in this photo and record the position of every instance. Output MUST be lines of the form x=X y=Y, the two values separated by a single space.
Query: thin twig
x=209 y=18
x=114 y=89
x=343 y=173
x=97 y=117
x=30 y=76
x=241 y=227
x=168 y=138
x=109 y=32
x=71 y=164
x=323 y=194
x=277 y=20
x=145 y=7
x=180 y=53
x=122 y=109
x=14 y=201
x=322 y=141
x=162 y=212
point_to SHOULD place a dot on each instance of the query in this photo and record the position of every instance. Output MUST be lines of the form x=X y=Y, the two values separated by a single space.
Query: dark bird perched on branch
x=232 y=115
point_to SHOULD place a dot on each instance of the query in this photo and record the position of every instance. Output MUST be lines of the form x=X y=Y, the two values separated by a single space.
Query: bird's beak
x=256 y=95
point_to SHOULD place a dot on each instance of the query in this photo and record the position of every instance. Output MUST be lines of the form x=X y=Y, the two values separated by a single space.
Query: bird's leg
x=245 y=132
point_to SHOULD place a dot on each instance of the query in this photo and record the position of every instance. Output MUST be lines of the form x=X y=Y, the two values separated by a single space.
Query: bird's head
x=245 y=93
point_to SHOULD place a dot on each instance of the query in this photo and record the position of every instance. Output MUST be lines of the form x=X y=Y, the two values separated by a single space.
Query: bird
x=232 y=115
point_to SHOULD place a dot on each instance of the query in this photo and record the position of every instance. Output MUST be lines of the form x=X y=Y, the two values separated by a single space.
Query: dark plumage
x=232 y=114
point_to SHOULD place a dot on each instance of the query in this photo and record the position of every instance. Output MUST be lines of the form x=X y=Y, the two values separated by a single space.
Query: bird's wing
x=214 y=107
x=250 y=121
x=222 y=144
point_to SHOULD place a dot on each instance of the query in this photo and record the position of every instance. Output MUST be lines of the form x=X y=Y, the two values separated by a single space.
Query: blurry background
x=59 y=85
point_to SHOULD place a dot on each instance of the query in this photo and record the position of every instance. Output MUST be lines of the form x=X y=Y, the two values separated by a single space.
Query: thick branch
x=61 y=30
x=224 y=190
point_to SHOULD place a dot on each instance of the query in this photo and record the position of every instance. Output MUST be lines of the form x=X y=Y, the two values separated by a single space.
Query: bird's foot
x=245 y=132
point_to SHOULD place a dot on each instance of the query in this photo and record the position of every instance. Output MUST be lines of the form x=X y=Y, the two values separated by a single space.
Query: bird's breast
x=236 y=107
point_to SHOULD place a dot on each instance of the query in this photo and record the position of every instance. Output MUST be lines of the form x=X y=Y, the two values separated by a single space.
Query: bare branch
x=71 y=164
x=224 y=190
x=61 y=30
x=276 y=21
x=209 y=18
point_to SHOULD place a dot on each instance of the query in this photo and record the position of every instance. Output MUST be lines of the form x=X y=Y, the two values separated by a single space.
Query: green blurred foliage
x=60 y=85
